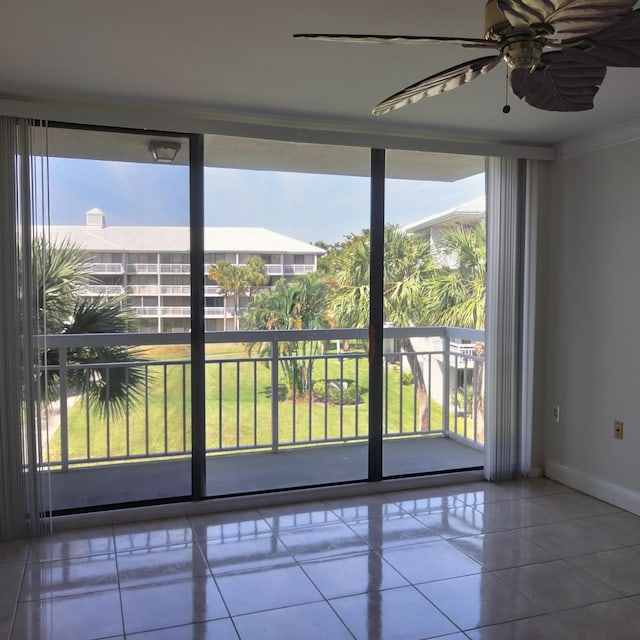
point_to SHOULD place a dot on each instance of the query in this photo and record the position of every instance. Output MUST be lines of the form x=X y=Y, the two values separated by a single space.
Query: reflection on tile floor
x=522 y=560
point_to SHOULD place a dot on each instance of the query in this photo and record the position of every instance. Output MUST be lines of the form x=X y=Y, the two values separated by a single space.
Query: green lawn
x=236 y=420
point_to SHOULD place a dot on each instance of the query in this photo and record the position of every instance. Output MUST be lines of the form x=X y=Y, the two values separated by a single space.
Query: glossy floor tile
x=459 y=521
x=430 y=561
x=161 y=564
x=266 y=588
x=538 y=628
x=614 y=620
x=212 y=630
x=479 y=600
x=501 y=550
x=170 y=604
x=570 y=538
x=393 y=531
x=72 y=544
x=315 y=621
x=620 y=569
x=88 y=616
x=524 y=560
x=402 y=613
x=557 y=585
x=73 y=576
x=353 y=574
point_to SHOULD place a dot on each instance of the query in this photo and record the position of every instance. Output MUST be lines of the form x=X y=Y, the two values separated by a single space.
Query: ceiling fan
x=557 y=51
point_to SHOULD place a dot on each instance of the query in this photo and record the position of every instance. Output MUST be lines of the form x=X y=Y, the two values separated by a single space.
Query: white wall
x=592 y=237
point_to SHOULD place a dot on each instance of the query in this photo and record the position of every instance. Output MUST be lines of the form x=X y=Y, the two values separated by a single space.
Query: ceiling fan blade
x=615 y=46
x=560 y=84
x=390 y=39
x=440 y=82
x=569 y=18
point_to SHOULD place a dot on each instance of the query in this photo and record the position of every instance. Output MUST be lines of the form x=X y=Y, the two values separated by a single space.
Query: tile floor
x=520 y=560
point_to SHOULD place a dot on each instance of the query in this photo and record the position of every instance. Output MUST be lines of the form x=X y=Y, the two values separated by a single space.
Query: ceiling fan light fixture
x=523 y=54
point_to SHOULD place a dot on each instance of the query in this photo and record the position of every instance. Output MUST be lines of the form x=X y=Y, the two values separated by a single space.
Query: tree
x=255 y=275
x=61 y=273
x=236 y=280
x=457 y=286
x=407 y=266
x=456 y=291
x=300 y=304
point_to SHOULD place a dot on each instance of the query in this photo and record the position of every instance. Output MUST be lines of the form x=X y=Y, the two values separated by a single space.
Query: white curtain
x=512 y=187
x=23 y=205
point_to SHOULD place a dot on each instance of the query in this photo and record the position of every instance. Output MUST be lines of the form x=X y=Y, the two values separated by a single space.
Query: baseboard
x=610 y=492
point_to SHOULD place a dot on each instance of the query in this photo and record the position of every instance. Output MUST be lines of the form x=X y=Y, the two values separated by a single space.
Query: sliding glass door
x=434 y=298
x=286 y=309
x=290 y=251
x=114 y=293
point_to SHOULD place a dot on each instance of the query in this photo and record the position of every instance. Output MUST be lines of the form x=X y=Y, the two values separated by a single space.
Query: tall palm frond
x=62 y=271
x=456 y=290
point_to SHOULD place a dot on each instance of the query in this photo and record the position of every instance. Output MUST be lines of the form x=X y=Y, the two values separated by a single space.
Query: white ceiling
x=238 y=57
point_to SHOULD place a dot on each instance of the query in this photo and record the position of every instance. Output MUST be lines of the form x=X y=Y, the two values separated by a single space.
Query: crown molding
x=612 y=136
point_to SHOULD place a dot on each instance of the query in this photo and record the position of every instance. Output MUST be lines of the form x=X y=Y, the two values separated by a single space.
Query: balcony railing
x=106 y=267
x=289 y=269
x=271 y=269
x=102 y=290
x=177 y=290
x=249 y=400
x=158 y=290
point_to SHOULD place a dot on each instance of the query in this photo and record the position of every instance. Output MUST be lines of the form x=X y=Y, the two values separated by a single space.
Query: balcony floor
x=249 y=472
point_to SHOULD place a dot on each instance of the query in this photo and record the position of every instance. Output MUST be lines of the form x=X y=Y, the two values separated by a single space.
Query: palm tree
x=457 y=287
x=407 y=266
x=235 y=281
x=61 y=272
x=300 y=304
x=456 y=291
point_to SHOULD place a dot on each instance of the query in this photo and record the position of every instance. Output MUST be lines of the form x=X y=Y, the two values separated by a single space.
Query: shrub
x=337 y=391
x=459 y=395
x=407 y=378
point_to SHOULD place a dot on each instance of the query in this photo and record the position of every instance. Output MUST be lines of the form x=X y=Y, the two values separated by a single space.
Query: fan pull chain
x=506 y=107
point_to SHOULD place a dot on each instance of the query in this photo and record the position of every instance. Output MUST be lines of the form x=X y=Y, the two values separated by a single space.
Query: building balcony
x=159 y=290
x=184 y=312
x=289 y=269
x=212 y=291
x=102 y=290
x=185 y=269
x=106 y=268
x=259 y=434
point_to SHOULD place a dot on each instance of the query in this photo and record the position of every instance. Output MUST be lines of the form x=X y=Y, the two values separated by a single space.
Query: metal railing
x=265 y=390
x=271 y=269
x=106 y=267
x=289 y=269
x=101 y=290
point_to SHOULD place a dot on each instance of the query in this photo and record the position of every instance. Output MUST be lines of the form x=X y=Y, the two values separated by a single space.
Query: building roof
x=254 y=240
x=470 y=211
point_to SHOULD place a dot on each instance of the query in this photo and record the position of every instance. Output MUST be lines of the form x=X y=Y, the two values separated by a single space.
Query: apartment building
x=151 y=265
x=432 y=227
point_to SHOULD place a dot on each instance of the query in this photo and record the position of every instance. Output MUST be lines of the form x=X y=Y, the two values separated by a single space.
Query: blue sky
x=306 y=206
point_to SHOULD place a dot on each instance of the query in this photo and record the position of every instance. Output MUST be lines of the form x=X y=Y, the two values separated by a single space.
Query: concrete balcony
x=258 y=436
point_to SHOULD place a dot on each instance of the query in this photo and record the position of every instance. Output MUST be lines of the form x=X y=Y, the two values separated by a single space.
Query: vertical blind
x=23 y=205
x=505 y=224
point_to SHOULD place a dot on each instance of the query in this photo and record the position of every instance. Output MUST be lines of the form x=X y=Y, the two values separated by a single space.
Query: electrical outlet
x=618 y=429
x=556 y=413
